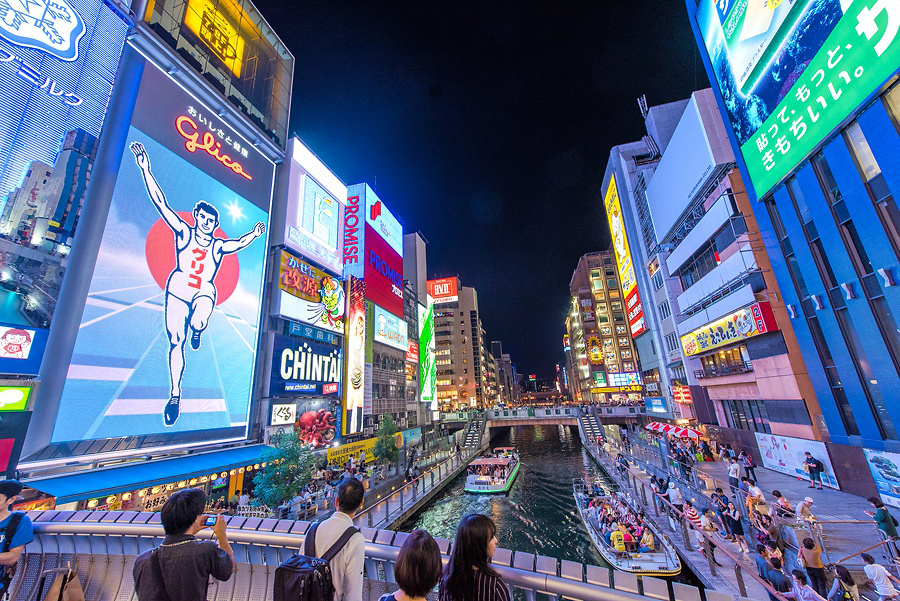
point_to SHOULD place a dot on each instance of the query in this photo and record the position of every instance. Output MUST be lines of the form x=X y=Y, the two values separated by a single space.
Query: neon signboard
x=305 y=368
x=738 y=326
x=209 y=143
x=214 y=28
x=355 y=358
x=390 y=329
x=444 y=290
x=309 y=295
x=427 y=354
x=623 y=259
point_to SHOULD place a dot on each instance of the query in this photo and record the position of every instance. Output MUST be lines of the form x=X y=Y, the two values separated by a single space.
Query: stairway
x=472 y=438
x=592 y=428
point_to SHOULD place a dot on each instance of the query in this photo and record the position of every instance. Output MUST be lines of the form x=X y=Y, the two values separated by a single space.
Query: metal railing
x=102 y=546
x=726 y=369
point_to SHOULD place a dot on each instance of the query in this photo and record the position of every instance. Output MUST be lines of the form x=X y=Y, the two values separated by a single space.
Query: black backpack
x=307 y=577
x=8 y=572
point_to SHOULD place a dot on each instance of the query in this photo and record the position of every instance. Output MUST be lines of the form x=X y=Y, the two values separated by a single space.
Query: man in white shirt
x=675 y=497
x=879 y=575
x=244 y=499
x=347 y=564
x=734 y=470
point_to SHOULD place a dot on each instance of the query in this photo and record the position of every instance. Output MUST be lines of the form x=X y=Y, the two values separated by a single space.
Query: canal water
x=538 y=515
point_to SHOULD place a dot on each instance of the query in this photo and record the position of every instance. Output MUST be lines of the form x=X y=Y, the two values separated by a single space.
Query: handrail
x=707 y=538
x=867 y=549
x=529 y=580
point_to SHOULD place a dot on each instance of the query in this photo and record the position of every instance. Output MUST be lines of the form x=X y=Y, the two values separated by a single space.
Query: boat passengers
x=621 y=528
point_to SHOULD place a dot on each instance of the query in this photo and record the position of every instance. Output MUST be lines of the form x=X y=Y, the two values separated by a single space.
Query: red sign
x=330 y=388
x=682 y=394
x=383 y=272
x=635 y=313
x=444 y=290
x=412 y=352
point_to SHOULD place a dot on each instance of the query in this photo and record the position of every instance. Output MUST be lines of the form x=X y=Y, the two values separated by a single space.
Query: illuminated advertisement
x=628 y=378
x=355 y=358
x=786 y=454
x=384 y=274
x=599 y=378
x=218 y=31
x=412 y=352
x=283 y=414
x=390 y=329
x=14 y=398
x=340 y=455
x=623 y=259
x=180 y=270
x=427 y=354
x=791 y=72
x=318 y=422
x=21 y=349
x=885 y=468
x=57 y=67
x=594 y=352
x=383 y=222
x=742 y=324
x=444 y=290
x=682 y=394
x=315 y=209
x=301 y=367
x=655 y=404
x=309 y=295
x=304 y=331
x=567 y=346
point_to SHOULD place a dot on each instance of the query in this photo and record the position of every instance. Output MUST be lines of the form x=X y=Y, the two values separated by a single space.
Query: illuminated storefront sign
x=412 y=352
x=309 y=295
x=190 y=235
x=383 y=273
x=742 y=324
x=188 y=129
x=341 y=455
x=305 y=368
x=623 y=259
x=427 y=354
x=208 y=22
x=14 y=398
x=655 y=404
x=567 y=346
x=304 y=331
x=790 y=73
x=682 y=394
x=594 y=351
x=444 y=290
x=384 y=223
x=629 y=378
x=390 y=329
x=615 y=389
x=315 y=209
x=599 y=378
x=283 y=414
x=354 y=378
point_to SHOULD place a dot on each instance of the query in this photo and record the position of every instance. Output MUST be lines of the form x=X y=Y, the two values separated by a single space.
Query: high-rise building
x=606 y=367
x=464 y=364
x=416 y=285
x=818 y=157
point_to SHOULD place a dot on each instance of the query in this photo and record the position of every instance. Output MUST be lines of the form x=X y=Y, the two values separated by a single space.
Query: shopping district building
x=319 y=326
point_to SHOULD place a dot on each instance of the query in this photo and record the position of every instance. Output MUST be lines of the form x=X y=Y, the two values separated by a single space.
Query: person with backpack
x=815 y=467
x=749 y=465
x=338 y=542
x=883 y=518
x=180 y=568
x=844 y=587
x=16 y=530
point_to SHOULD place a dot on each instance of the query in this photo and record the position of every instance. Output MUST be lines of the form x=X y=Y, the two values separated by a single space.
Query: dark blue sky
x=487 y=127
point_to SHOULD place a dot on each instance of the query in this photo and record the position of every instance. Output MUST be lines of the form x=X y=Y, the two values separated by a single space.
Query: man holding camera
x=180 y=568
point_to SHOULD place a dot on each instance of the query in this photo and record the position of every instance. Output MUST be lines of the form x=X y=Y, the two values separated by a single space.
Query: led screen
x=384 y=222
x=623 y=260
x=315 y=209
x=383 y=273
x=790 y=72
x=309 y=295
x=168 y=337
x=427 y=356
x=21 y=349
x=390 y=329
x=57 y=66
x=302 y=367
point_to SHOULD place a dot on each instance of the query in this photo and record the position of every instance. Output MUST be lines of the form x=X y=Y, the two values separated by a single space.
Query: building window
x=862 y=153
x=747 y=415
x=610 y=272
x=657 y=280
x=664 y=310
x=672 y=343
x=611 y=283
x=618 y=318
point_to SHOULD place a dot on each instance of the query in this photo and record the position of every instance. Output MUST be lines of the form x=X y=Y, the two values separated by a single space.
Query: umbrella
x=655 y=426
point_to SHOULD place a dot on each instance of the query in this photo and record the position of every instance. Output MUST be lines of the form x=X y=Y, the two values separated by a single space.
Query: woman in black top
x=418 y=568
x=469 y=576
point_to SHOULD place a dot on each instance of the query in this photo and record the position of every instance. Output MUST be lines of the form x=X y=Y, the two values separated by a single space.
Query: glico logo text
x=351 y=227
x=386 y=270
x=188 y=129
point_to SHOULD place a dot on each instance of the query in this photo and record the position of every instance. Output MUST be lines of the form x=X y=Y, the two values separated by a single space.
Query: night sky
x=487 y=127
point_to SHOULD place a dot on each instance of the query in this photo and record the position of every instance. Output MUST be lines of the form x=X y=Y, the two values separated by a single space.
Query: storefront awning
x=91 y=484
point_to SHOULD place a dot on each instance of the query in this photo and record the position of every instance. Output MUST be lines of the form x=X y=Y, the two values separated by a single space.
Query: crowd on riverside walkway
x=741 y=517
x=181 y=568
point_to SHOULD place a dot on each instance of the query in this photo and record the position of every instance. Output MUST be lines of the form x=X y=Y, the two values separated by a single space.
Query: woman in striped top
x=469 y=576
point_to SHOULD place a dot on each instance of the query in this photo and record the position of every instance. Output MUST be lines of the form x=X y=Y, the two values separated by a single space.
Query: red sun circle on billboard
x=160 y=254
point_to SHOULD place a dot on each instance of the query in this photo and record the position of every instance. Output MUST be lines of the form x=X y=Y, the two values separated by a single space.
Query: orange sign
x=682 y=394
x=208 y=21
x=444 y=290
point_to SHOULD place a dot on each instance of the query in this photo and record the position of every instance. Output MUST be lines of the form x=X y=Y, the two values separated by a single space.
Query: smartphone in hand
x=211 y=520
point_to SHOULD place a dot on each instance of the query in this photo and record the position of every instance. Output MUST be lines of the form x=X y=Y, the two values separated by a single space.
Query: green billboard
x=427 y=357
x=790 y=72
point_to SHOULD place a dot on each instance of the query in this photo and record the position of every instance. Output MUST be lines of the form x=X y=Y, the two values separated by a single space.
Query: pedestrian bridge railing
x=102 y=546
x=535 y=413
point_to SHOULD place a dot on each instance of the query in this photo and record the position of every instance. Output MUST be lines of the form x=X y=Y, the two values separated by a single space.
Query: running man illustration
x=190 y=289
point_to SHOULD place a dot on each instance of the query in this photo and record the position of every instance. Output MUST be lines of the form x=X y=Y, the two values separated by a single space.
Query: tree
x=289 y=466
x=386 y=449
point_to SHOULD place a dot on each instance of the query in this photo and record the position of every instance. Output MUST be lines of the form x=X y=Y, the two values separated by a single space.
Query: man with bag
x=346 y=563
x=16 y=530
x=180 y=568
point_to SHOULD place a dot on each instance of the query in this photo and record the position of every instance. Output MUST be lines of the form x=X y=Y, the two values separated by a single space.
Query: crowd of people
x=181 y=568
x=622 y=528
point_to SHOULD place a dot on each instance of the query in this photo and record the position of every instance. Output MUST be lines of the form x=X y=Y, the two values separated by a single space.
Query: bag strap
x=157 y=571
x=309 y=545
x=339 y=543
x=11 y=529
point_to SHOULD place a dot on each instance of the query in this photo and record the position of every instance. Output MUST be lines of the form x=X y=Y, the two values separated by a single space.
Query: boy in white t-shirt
x=879 y=575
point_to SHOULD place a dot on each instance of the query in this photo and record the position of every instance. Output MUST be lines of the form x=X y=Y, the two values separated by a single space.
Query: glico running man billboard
x=790 y=72
x=168 y=338
x=427 y=357
x=58 y=62
x=623 y=259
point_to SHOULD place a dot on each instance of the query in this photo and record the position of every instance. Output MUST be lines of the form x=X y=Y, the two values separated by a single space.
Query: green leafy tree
x=386 y=450
x=289 y=467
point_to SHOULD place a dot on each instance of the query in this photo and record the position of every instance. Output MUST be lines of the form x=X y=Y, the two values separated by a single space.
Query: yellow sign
x=216 y=30
x=342 y=454
x=632 y=388
x=633 y=304
x=742 y=324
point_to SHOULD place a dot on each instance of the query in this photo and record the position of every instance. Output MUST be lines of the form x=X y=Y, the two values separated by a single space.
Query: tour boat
x=494 y=473
x=663 y=561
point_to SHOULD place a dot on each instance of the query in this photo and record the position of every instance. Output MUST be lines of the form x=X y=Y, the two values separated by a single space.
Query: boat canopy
x=491 y=461
x=505 y=449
